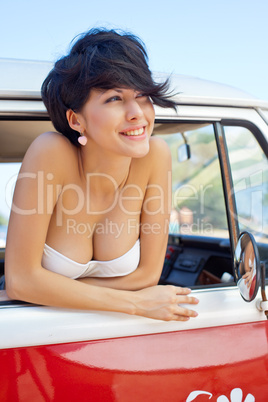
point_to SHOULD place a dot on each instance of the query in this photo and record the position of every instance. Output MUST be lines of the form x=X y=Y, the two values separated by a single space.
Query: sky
x=219 y=40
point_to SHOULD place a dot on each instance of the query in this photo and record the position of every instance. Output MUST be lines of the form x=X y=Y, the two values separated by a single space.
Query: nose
x=133 y=110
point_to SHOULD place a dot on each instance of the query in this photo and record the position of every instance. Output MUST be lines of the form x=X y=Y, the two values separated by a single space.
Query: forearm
x=46 y=288
x=139 y=279
x=158 y=302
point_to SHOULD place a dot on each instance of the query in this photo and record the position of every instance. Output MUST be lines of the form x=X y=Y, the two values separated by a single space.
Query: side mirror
x=184 y=152
x=247 y=269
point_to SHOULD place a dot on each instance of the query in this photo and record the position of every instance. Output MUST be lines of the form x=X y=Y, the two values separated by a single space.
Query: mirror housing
x=183 y=152
x=247 y=270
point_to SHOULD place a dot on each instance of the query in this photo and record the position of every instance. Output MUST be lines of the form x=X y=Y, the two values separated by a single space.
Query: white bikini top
x=124 y=265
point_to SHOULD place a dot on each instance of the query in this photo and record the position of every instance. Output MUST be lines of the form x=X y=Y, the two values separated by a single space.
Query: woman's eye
x=141 y=95
x=113 y=99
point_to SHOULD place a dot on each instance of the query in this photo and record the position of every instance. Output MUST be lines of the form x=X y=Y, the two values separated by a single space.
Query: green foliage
x=3 y=220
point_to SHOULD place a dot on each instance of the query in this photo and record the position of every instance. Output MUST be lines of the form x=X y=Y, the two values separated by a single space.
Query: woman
x=93 y=235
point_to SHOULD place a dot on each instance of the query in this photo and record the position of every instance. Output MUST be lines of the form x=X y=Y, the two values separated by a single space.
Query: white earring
x=82 y=139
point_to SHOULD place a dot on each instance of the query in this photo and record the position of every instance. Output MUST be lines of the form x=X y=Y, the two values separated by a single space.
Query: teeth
x=135 y=132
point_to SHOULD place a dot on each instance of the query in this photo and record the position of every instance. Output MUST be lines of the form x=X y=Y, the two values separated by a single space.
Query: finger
x=186 y=300
x=182 y=291
x=180 y=318
x=185 y=312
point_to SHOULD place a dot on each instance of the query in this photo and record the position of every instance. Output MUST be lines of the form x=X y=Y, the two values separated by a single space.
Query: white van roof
x=22 y=79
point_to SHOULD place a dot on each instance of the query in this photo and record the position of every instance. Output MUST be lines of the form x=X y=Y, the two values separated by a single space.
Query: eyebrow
x=115 y=89
x=103 y=90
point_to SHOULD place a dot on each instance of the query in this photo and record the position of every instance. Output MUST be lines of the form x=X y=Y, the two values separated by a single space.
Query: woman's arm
x=27 y=280
x=148 y=298
x=40 y=180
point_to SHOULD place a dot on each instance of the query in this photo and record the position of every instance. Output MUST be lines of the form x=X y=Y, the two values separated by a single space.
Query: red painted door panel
x=159 y=367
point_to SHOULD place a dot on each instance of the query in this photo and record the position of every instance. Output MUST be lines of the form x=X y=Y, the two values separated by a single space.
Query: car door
x=205 y=225
x=56 y=354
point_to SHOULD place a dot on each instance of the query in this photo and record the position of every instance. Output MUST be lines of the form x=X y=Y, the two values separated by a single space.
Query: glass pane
x=249 y=167
x=198 y=206
x=15 y=136
x=8 y=174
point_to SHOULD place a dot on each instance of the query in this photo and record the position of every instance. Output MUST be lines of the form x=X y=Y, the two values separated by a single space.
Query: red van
x=218 y=237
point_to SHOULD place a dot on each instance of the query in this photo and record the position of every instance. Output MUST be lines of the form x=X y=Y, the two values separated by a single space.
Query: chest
x=86 y=225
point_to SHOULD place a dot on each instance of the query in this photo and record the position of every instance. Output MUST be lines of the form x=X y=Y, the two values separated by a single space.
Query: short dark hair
x=103 y=59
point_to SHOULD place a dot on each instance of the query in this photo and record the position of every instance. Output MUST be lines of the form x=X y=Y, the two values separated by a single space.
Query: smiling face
x=118 y=120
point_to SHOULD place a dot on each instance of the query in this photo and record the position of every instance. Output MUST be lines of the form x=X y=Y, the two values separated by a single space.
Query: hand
x=248 y=278
x=163 y=303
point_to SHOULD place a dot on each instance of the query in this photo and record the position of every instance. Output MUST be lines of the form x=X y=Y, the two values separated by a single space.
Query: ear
x=73 y=121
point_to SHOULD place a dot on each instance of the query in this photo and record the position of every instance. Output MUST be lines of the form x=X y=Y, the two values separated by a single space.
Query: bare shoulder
x=158 y=155
x=50 y=150
x=158 y=152
x=156 y=163
x=159 y=148
x=50 y=141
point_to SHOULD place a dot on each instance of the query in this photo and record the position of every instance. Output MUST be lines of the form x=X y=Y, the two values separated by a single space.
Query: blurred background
x=224 y=40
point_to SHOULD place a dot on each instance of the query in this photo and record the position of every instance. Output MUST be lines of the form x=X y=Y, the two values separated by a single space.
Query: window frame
x=226 y=170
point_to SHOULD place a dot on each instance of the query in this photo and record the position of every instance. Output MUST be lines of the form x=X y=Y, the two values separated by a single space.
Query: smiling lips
x=135 y=134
